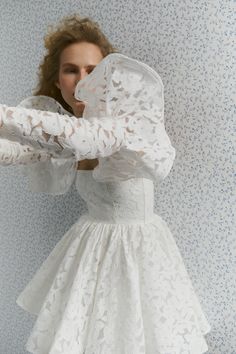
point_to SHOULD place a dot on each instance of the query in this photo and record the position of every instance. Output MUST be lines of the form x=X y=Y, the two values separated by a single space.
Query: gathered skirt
x=114 y=289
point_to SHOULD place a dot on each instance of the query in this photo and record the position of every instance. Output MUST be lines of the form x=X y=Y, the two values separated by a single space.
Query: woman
x=116 y=282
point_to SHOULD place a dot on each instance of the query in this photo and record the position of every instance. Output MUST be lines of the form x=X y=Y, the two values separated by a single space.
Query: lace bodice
x=116 y=282
x=122 y=126
x=117 y=202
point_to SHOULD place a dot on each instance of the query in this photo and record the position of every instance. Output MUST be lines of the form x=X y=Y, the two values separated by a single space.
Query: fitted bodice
x=129 y=201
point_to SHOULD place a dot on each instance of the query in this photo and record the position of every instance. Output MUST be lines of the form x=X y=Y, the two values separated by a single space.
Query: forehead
x=81 y=54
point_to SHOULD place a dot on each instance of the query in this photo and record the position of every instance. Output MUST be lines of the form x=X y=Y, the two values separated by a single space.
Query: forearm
x=13 y=153
x=31 y=126
x=86 y=139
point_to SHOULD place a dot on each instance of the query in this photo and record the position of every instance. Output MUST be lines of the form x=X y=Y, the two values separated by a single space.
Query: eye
x=90 y=69
x=70 y=71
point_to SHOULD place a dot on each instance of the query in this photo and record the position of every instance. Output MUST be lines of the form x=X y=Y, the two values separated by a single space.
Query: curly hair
x=70 y=29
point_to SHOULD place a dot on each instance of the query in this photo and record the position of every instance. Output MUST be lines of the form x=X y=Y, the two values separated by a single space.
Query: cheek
x=66 y=82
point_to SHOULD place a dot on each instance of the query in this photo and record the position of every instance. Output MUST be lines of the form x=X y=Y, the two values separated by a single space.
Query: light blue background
x=190 y=44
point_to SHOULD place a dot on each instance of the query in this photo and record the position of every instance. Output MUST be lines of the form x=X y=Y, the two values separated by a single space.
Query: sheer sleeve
x=130 y=91
x=13 y=153
x=122 y=124
x=16 y=153
x=46 y=172
x=53 y=132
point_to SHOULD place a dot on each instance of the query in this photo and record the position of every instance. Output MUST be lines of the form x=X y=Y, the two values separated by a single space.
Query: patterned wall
x=190 y=44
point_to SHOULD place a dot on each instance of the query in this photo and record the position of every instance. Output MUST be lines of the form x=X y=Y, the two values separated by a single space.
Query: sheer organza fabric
x=122 y=126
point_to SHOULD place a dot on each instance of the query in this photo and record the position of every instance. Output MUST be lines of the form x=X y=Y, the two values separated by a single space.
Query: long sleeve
x=13 y=153
x=54 y=132
x=122 y=123
x=45 y=171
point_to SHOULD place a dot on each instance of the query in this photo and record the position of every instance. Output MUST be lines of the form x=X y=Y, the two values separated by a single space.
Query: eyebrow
x=65 y=64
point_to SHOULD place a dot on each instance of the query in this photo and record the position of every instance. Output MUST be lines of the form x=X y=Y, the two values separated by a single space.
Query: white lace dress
x=115 y=283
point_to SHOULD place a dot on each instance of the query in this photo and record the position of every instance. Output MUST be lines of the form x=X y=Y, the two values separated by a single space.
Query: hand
x=78 y=108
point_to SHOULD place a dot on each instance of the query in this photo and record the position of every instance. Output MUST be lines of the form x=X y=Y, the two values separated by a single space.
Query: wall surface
x=190 y=44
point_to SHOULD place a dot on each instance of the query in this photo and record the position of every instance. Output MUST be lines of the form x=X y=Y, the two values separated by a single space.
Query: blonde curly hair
x=70 y=29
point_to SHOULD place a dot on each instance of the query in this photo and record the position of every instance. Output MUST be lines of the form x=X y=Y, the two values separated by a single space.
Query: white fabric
x=14 y=153
x=55 y=175
x=115 y=283
x=45 y=172
x=122 y=126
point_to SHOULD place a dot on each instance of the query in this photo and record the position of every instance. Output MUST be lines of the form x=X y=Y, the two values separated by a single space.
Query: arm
x=53 y=132
x=13 y=153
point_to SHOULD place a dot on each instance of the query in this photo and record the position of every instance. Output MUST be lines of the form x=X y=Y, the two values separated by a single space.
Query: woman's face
x=76 y=61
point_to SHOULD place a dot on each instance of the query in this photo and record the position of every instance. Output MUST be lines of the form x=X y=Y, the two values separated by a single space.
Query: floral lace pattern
x=13 y=153
x=116 y=282
x=122 y=125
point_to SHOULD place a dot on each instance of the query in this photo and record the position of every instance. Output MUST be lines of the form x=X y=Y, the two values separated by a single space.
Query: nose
x=83 y=73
